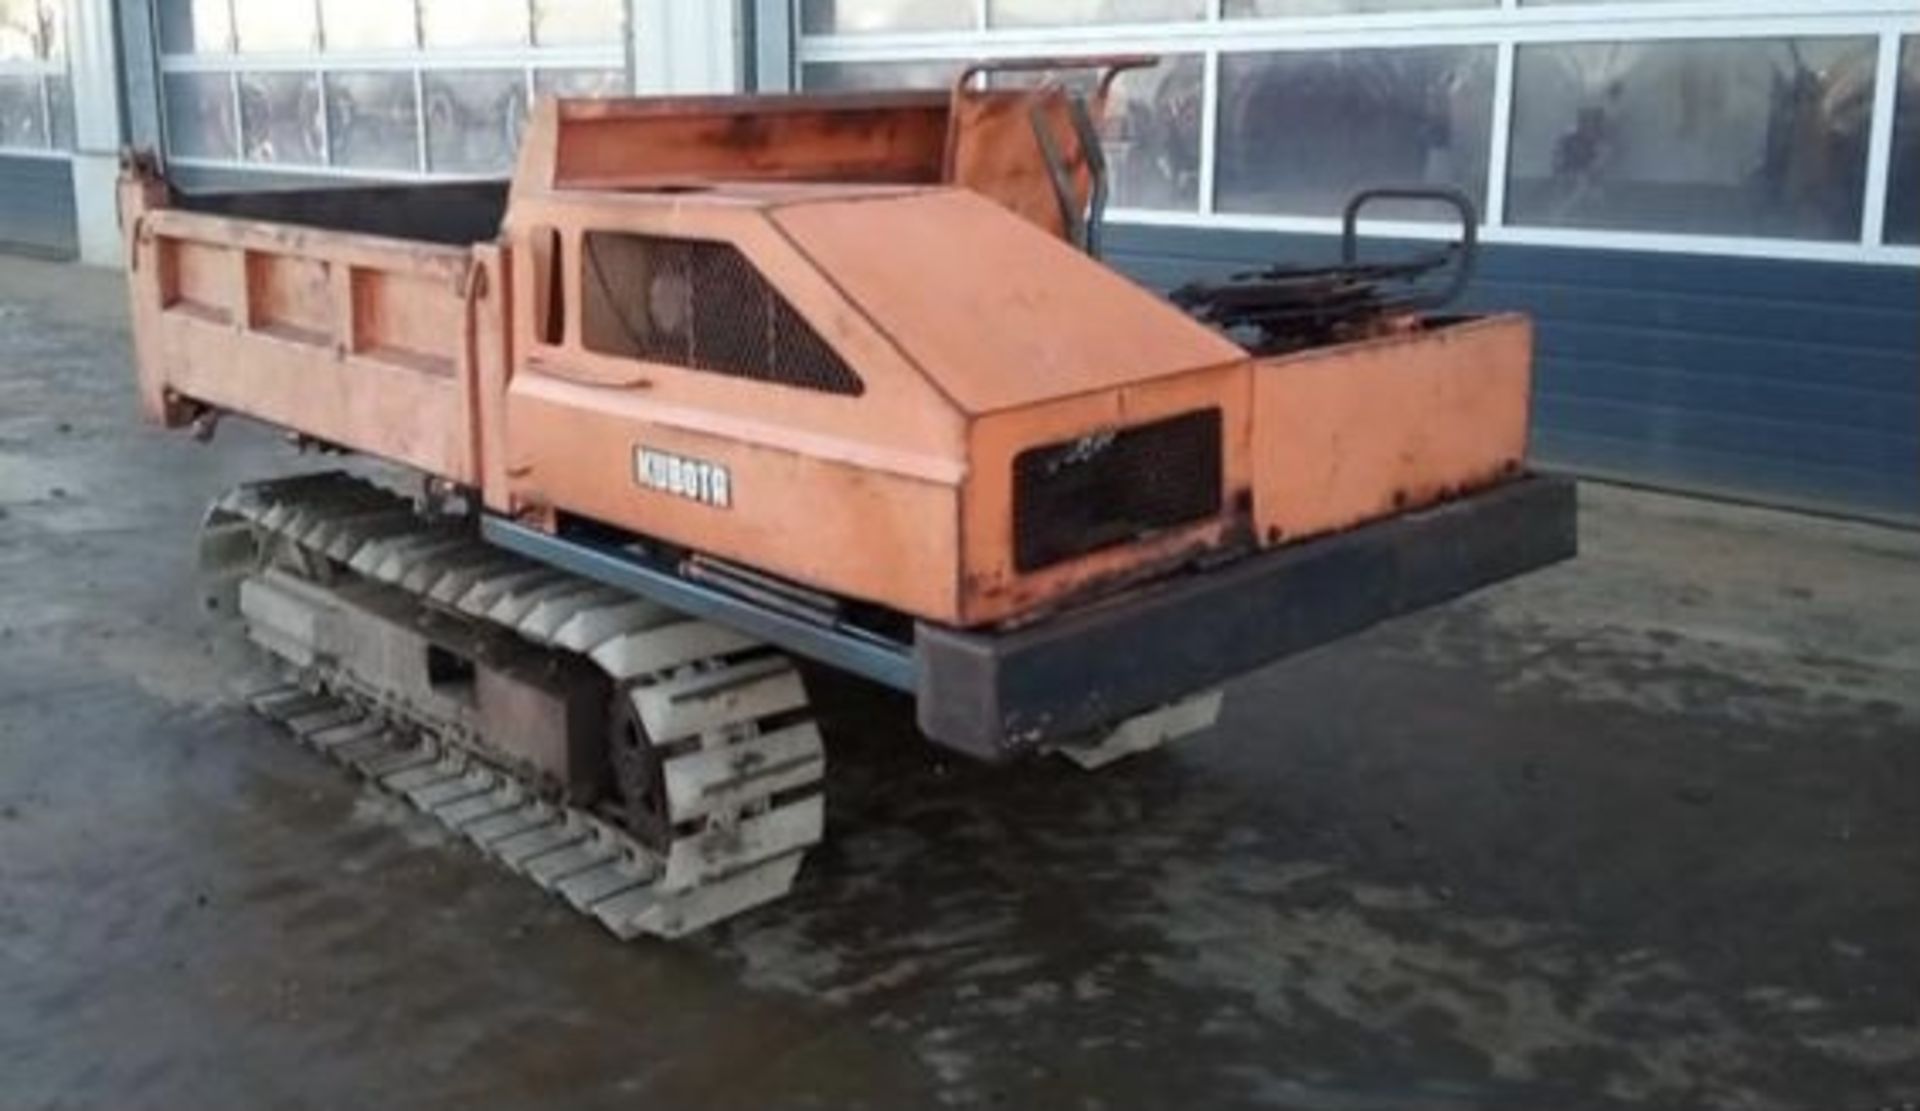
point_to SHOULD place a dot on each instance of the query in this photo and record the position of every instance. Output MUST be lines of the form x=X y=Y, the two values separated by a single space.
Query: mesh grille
x=1077 y=497
x=701 y=305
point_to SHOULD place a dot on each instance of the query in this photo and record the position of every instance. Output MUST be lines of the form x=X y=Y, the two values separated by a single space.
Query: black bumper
x=992 y=695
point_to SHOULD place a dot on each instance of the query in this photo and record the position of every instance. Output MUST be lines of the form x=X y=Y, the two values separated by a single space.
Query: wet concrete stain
x=1637 y=832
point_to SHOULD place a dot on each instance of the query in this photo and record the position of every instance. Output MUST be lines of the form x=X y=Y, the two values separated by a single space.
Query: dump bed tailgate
x=366 y=342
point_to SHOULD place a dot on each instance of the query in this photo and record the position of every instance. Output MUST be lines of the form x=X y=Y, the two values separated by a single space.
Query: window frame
x=43 y=72
x=1507 y=26
x=527 y=59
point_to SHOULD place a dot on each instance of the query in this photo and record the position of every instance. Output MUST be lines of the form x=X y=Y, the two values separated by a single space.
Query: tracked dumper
x=717 y=385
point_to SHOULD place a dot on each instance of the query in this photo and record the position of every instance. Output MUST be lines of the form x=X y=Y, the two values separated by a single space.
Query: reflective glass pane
x=474 y=22
x=1151 y=132
x=1153 y=135
x=579 y=82
x=578 y=22
x=853 y=17
x=1903 y=186
x=21 y=121
x=200 y=116
x=368 y=24
x=280 y=118
x=60 y=112
x=274 y=26
x=30 y=29
x=872 y=76
x=196 y=26
x=1270 y=9
x=474 y=119
x=372 y=121
x=1058 y=13
x=1763 y=137
x=1300 y=133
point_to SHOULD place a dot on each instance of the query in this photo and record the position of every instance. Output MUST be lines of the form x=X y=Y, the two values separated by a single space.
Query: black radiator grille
x=1077 y=497
x=701 y=305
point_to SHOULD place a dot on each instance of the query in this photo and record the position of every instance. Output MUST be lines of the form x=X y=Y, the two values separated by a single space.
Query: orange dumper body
x=847 y=345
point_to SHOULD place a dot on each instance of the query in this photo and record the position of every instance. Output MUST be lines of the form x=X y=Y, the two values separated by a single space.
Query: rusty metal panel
x=813 y=518
x=1060 y=323
x=613 y=144
x=357 y=341
x=1361 y=431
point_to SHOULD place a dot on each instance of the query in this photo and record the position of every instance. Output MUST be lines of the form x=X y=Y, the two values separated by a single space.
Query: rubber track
x=744 y=763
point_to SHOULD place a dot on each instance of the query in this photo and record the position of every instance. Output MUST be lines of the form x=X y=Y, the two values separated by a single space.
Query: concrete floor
x=1641 y=831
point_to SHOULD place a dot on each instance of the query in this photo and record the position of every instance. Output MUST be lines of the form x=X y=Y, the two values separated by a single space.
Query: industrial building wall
x=36 y=207
x=36 y=130
x=1712 y=208
x=1793 y=383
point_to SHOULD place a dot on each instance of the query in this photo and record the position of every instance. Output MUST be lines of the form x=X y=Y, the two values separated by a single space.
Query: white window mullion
x=326 y=124
x=420 y=121
x=1500 y=138
x=46 y=110
x=239 y=124
x=1886 y=88
x=1209 y=127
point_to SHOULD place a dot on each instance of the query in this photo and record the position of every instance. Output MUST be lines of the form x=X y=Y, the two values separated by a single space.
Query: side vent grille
x=1077 y=497
x=701 y=305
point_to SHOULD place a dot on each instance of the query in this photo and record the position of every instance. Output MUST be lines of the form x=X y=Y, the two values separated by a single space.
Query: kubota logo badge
x=692 y=479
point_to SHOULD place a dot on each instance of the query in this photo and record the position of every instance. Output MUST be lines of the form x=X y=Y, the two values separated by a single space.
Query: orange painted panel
x=624 y=143
x=389 y=411
x=835 y=526
x=407 y=319
x=995 y=311
x=1348 y=434
x=291 y=296
x=994 y=589
x=198 y=279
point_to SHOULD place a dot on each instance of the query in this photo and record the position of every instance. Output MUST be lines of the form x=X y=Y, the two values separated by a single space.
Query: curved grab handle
x=1110 y=66
x=1466 y=251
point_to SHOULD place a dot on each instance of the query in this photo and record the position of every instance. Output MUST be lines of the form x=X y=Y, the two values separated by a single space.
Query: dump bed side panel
x=363 y=342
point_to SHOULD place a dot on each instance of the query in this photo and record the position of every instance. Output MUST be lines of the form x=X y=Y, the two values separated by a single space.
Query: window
x=1903 y=189
x=1748 y=137
x=852 y=17
x=1705 y=126
x=474 y=119
x=701 y=305
x=368 y=25
x=578 y=22
x=371 y=87
x=1302 y=131
x=36 y=108
x=196 y=26
x=372 y=120
x=1075 y=13
x=200 y=116
x=875 y=76
x=457 y=23
x=280 y=118
x=23 y=120
x=1153 y=134
x=578 y=82
x=1246 y=9
x=275 y=27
